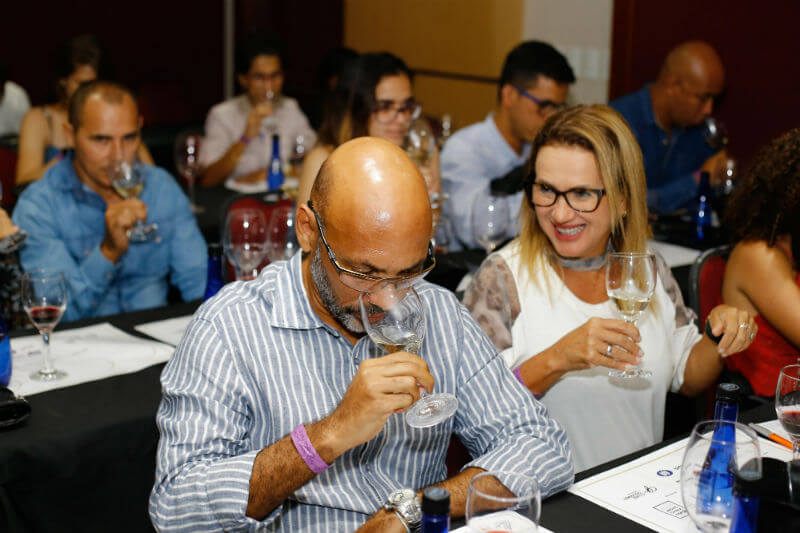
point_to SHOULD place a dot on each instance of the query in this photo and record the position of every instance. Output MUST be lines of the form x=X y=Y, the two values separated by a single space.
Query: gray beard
x=345 y=316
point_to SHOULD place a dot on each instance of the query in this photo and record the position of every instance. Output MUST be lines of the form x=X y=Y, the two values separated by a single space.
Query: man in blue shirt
x=79 y=225
x=491 y=155
x=666 y=118
x=279 y=414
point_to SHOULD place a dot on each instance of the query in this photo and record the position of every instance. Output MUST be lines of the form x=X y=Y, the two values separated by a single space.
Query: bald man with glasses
x=666 y=117
x=278 y=412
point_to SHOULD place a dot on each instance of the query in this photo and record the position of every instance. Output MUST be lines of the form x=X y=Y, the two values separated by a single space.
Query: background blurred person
x=14 y=103
x=78 y=224
x=373 y=98
x=238 y=144
x=762 y=274
x=542 y=298
x=10 y=277
x=666 y=117
x=489 y=156
x=42 y=138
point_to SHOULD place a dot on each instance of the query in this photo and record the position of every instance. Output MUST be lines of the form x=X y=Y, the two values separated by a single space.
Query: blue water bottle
x=214 y=277
x=435 y=510
x=5 y=354
x=746 y=500
x=715 y=491
x=702 y=219
x=275 y=172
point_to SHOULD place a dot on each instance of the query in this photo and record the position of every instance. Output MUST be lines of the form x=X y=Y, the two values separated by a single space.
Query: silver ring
x=752 y=336
x=744 y=325
x=608 y=350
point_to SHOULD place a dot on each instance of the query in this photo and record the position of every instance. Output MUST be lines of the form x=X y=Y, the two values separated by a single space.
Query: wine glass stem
x=48 y=367
x=795 y=449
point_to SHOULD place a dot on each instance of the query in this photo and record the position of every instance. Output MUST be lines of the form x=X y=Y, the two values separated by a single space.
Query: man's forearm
x=279 y=470
x=223 y=167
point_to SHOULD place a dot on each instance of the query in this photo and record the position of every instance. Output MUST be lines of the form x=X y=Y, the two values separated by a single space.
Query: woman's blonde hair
x=603 y=132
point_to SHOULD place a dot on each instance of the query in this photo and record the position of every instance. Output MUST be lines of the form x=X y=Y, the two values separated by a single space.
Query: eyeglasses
x=366 y=283
x=546 y=107
x=387 y=110
x=581 y=199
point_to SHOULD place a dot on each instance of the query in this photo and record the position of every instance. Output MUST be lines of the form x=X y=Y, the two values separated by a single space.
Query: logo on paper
x=664 y=473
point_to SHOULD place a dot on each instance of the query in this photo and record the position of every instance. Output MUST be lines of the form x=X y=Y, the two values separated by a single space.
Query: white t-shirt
x=604 y=417
x=13 y=106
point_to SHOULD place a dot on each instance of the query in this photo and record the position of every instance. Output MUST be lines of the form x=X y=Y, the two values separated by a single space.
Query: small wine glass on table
x=245 y=241
x=787 y=404
x=44 y=297
x=630 y=283
x=128 y=180
x=494 y=508
x=187 y=162
x=491 y=220
x=398 y=324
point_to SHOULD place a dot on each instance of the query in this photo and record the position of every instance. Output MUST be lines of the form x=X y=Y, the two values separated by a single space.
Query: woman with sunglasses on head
x=763 y=272
x=373 y=98
x=542 y=298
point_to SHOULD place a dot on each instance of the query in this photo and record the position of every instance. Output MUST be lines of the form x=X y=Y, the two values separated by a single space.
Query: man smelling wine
x=78 y=224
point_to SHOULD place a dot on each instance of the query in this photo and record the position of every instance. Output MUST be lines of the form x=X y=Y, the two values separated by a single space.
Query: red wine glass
x=787 y=404
x=44 y=297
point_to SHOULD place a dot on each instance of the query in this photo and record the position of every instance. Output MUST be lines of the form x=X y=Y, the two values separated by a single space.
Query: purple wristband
x=244 y=139
x=518 y=374
x=307 y=451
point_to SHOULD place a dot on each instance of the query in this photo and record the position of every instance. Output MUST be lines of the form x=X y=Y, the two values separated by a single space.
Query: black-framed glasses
x=364 y=282
x=581 y=199
x=387 y=110
x=546 y=107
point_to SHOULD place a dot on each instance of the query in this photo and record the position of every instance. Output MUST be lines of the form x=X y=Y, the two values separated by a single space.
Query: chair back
x=705 y=281
x=267 y=203
x=8 y=175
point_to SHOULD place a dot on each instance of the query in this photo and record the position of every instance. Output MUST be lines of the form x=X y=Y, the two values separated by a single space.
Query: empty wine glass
x=395 y=320
x=630 y=283
x=187 y=162
x=447 y=130
x=491 y=220
x=281 y=237
x=716 y=451
x=715 y=133
x=505 y=502
x=442 y=235
x=44 y=297
x=128 y=180
x=787 y=404
x=298 y=155
x=245 y=240
x=419 y=142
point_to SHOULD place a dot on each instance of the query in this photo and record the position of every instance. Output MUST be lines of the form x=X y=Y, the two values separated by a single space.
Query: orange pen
x=764 y=432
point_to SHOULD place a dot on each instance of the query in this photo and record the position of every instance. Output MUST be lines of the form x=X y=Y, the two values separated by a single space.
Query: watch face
x=400 y=496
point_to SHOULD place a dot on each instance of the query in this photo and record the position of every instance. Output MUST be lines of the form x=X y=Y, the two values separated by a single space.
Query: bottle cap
x=728 y=392
x=214 y=249
x=436 y=501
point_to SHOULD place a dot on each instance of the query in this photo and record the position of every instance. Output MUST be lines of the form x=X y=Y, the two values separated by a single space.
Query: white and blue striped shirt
x=256 y=361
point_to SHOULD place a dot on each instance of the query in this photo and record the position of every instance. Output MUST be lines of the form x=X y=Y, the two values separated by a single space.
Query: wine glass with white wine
x=128 y=180
x=630 y=283
x=398 y=324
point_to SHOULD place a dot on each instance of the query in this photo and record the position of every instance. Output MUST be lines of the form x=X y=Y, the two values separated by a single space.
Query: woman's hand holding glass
x=599 y=342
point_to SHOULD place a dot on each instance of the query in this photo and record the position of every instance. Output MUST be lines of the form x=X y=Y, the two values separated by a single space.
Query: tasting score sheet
x=647 y=490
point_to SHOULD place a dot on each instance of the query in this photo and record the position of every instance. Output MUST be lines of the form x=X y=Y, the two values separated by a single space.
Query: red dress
x=761 y=363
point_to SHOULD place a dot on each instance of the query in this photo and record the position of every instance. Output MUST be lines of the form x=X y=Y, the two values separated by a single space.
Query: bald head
x=693 y=61
x=371 y=186
x=107 y=91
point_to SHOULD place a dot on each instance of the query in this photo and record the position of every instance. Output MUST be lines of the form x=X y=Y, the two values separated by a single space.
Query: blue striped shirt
x=256 y=361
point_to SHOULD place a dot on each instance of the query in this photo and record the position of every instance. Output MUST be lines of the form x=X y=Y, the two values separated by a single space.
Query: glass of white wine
x=128 y=180
x=630 y=283
x=399 y=325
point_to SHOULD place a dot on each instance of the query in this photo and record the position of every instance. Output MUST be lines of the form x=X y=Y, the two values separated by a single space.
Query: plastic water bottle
x=715 y=493
x=5 y=354
x=214 y=277
x=704 y=215
x=275 y=172
x=435 y=510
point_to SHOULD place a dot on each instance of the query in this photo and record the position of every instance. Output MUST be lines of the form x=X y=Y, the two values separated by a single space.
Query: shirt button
x=87 y=252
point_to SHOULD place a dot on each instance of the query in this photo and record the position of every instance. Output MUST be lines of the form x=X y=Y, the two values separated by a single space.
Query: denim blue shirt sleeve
x=256 y=361
x=65 y=221
x=470 y=160
x=669 y=160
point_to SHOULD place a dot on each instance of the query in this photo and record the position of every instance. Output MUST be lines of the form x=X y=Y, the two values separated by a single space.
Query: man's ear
x=69 y=133
x=242 y=79
x=508 y=95
x=305 y=227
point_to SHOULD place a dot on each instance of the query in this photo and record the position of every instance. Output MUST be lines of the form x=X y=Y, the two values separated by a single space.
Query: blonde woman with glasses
x=542 y=298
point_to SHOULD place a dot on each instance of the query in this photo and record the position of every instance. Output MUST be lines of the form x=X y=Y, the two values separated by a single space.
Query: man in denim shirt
x=666 y=117
x=79 y=225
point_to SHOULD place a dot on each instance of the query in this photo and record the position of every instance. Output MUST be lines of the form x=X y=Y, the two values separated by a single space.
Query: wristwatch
x=405 y=504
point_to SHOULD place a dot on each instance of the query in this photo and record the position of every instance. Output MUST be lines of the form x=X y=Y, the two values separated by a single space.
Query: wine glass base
x=144 y=233
x=635 y=372
x=431 y=410
x=48 y=375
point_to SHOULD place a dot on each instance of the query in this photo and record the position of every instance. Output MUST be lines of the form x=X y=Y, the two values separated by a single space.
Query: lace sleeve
x=683 y=313
x=493 y=301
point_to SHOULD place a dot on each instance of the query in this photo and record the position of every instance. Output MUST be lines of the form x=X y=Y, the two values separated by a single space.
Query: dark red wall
x=170 y=51
x=758 y=43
